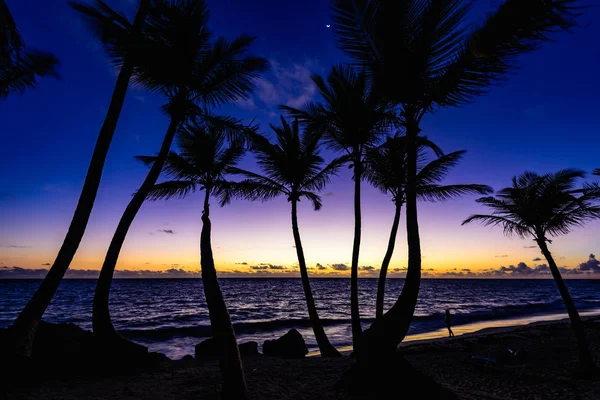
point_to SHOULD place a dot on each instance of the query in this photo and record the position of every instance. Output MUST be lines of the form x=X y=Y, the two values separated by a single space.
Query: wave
x=420 y=322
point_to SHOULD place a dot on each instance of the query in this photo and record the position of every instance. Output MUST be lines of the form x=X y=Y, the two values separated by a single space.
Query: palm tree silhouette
x=596 y=171
x=20 y=67
x=420 y=56
x=352 y=120
x=202 y=164
x=121 y=40
x=543 y=206
x=386 y=170
x=293 y=168
x=199 y=74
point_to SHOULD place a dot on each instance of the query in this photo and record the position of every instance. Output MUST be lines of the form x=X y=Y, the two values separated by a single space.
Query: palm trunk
x=234 y=383
x=101 y=321
x=386 y=262
x=585 y=357
x=354 y=310
x=325 y=346
x=24 y=328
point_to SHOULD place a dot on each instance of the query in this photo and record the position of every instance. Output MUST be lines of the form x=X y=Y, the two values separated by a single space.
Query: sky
x=544 y=118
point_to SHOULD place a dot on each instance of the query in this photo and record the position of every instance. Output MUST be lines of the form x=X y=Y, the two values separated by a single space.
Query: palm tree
x=540 y=207
x=120 y=39
x=596 y=171
x=352 y=120
x=293 y=168
x=386 y=170
x=20 y=67
x=420 y=56
x=202 y=164
x=199 y=74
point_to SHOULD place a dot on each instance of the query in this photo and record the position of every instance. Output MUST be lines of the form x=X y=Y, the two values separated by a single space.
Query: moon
x=328 y=26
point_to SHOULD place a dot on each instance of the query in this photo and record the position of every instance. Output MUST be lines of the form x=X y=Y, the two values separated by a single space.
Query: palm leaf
x=171 y=189
x=446 y=192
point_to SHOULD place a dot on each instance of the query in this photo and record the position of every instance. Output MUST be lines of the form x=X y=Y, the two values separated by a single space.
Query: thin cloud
x=530 y=247
x=592 y=264
x=328 y=194
x=321 y=267
x=537 y=259
x=242 y=263
x=25 y=273
x=259 y=267
x=339 y=267
x=501 y=256
x=279 y=267
x=366 y=268
x=46 y=264
x=15 y=246
x=169 y=231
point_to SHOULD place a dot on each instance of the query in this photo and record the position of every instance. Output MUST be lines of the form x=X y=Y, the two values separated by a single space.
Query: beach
x=473 y=365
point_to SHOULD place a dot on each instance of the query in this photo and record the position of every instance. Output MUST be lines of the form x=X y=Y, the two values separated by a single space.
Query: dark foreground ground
x=543 y=369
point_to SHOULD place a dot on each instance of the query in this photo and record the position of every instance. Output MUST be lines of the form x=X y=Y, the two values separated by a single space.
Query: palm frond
x=320 y=180
x=255 y=189
x=313 y=197
x=510 y=227
x=258 y=179
x=516 y=28
x=437 y=169
x=171 y=189
x=447 y=192
x=21 y=71
x=596 y=172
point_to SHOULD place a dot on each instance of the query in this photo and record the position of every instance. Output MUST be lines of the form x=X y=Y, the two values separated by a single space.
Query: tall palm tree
x=293 y=168
x=202 y=164
x=121 y=40
x=540 y=207
x=386 y=170
x=20 y=67
x=352 y=119
x=421 y=55
x=200 y=73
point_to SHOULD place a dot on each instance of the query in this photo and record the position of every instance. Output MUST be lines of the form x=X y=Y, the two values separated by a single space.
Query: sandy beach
x=474 y=365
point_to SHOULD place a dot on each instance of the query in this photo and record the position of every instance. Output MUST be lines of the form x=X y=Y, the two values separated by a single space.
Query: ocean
x=170 y=315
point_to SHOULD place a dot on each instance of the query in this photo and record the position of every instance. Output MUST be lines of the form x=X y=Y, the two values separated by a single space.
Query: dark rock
x=290 y=345
x=249 y=349
x=187 y=357
x=207 y=350
x=158 y=358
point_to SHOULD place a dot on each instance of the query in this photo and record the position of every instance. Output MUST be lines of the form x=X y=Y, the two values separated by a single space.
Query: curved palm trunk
x=24 y=328
x=386 y=262
x=234 y=383
x=101 y=321
x=325 y=346
x=585 y=357
x=354 y=310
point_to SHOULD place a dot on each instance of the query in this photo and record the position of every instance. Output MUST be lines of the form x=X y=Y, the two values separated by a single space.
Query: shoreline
x=461 y=364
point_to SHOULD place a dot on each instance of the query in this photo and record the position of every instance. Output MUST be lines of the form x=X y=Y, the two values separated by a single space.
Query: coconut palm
x=421 y=55
x=199 y=74
x=201 y=164
x=596 y=171
x=540 y=207
x=121 y=40
x=352 y=120
x=293 y=168
x=19 y=67
x=386 y=170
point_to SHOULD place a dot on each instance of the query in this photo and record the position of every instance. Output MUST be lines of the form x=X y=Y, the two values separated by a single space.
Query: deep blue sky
x=543 y=119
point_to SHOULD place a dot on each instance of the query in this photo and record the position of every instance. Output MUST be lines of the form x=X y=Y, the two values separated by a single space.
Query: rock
x=157 y=358
x=249 y=349
x=188 y=357
x=290 y=345
x=207 y=349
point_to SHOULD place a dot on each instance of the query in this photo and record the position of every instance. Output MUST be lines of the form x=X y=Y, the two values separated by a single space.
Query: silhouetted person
x=447 y=321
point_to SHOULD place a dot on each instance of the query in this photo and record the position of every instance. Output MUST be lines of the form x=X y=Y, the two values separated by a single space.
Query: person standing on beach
x=447 y=321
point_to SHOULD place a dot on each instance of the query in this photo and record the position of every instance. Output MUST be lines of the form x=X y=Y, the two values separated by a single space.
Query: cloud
x=169 y=231
x=340 y=267
x=259 y=267
x=23 y=273
x=537 y=259
x=46 y=264
x=529 y=247
x=246 y=104
x=286 y=84
x=321 y=267
x=328 y=194
x=366 y=268
x=501 y=256
x=280 y=267
x=242 y=263
x=14 y=246
x=592 y=264
x=147 y=263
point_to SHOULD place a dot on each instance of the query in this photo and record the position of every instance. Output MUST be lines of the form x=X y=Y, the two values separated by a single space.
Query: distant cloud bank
x=589 y=268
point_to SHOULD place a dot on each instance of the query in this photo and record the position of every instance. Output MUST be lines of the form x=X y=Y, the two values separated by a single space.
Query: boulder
x=290 y=345
x=207 y=349
x=249 y=349
x=187 y=357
